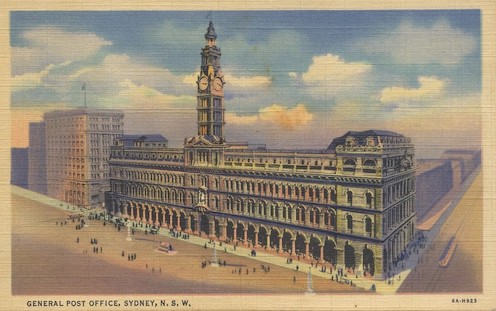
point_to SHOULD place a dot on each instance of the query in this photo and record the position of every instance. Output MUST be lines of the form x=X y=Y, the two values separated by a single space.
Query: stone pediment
x=202 y=141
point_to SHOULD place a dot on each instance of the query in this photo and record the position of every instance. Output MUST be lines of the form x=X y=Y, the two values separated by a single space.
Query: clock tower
x=210 y=97
x=207 y=147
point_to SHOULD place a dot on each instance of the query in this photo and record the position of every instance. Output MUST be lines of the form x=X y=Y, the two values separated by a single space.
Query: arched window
x=349 y=223
x=349 y=197
x=333 y=219
x=368 y=225
x=334 y=197
x=368 y=198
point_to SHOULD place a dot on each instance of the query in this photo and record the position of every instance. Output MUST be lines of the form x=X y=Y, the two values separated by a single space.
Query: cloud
x=51 y=45
x=430 y=87
x=287 y=118
x=275 y=114
x=119 y=67
x=247 y=81
x=233 y=118
x=329 y=75
x=413 y=44
x=330 y=68
x=143 y=97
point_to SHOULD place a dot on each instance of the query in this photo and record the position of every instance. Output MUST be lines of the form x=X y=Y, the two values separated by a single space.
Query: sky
x=294 y=79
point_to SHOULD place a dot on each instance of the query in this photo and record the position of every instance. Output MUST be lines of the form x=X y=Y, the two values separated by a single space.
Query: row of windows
x=99 y=176
x=396 y=215
x=305 y=193
x=395 y=192
x=280 y=161
x=294 y=214
x=173 y=179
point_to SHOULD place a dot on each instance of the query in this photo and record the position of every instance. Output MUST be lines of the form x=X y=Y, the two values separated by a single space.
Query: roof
x=129 y=140
x=83 y=111
x=211 y=32
x=361 y=136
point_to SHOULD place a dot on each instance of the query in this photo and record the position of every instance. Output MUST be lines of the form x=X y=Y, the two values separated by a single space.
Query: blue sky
x=295 y=79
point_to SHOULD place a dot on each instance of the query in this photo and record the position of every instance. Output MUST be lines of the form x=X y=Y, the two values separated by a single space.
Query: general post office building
x=350 y=204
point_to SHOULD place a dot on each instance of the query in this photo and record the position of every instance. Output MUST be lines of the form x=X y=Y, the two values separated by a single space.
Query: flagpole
x=84 y=89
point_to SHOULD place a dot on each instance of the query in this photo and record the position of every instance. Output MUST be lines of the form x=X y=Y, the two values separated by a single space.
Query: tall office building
x=37 y=178
x=19 y=167
x=350 y=204
x=77 y=152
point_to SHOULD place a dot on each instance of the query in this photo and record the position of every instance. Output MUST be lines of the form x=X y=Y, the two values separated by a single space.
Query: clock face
x=218 y=84
x=203 y=83
x=405 y=163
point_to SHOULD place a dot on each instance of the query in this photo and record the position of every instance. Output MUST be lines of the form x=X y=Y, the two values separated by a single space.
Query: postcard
x=259 y=156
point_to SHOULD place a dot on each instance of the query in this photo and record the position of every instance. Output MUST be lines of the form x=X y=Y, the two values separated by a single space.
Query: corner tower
x=210 y=86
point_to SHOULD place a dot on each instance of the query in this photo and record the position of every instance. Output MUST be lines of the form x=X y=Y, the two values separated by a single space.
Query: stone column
x=293 y=246
x=223 y=231
x=195 y=226
x=245 y=208
x=131 y=206
x=164 y=223
x=150 y=218
x=280 y=243
x=143 y=214
x=307 y=244
x=358 y=261
x=321 y=258
x=113 y=208
x=235 y=229
x=119 y=214
x=307 y=217
x=170 y=220
x=178 y=217
x=157 y=223
x=293 y=215
x=138 y=217
x=245 y=236
x=211 y=229
x=339 y=256
x=188 y=224
x=321 y=220
x=268 y=241
x=256 y=240
x=279 y=213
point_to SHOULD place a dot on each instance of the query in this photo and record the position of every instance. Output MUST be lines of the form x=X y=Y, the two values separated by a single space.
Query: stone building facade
x=350 y=205
x=78 y=145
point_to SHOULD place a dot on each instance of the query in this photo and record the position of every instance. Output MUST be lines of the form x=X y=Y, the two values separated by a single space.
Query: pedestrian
x=123 y=254
x=77 y=240
x=297 y=268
